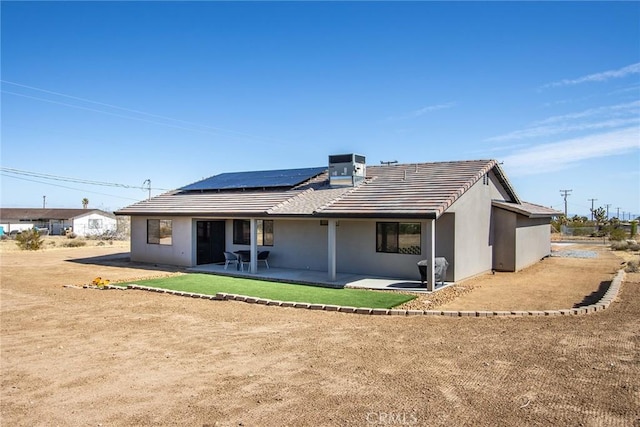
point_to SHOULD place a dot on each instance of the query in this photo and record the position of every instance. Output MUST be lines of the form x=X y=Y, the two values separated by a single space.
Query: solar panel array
x=255 y=179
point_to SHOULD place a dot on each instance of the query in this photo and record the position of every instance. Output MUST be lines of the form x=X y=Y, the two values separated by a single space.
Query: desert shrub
x=4 y=237
x=633 y=267
x=582 y=231
x=619 y=245
x=74 y=243
x=617 y=234
x=71 y=235
x=634 y=247
x=29 y=240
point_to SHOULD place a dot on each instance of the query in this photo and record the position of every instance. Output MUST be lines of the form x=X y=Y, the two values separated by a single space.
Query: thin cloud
x=598 y=77
x=561 y=155
x=599 y=118
x=609 y=110
x=549 y=130
x=422 y=111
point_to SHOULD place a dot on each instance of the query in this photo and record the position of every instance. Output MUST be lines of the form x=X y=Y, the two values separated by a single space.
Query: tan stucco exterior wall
x=180 y=252
x=533 y=241
x=473 y=232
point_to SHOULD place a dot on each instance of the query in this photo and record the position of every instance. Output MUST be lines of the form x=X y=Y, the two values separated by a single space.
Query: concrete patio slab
x=319 y=278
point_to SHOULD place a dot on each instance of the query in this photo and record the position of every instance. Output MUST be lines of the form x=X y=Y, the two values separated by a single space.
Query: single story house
x=348 y=217
x=83 y=222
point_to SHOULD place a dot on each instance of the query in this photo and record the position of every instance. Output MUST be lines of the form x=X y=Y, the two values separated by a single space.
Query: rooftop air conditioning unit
x=346 y=170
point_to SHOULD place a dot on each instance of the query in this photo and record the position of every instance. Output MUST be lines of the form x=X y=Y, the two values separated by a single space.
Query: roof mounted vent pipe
x=347 y=170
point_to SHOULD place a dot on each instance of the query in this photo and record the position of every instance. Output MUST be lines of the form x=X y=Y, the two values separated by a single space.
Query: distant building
x=83 y=222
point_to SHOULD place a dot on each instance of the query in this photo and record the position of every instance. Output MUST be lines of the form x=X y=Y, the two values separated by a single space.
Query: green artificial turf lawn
x=210 y=285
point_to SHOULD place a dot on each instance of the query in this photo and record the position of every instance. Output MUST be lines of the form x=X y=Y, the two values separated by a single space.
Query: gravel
x=575 y=254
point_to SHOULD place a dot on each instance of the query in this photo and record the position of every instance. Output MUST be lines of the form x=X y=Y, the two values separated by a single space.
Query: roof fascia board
x=519 y=210
x=502 y=177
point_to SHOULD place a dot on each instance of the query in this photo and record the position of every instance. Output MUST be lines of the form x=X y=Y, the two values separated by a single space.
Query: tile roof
x=530 y=210
x=408 y=190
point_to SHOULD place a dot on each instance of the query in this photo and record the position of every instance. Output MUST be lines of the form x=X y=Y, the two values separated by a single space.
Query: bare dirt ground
x=74 y=357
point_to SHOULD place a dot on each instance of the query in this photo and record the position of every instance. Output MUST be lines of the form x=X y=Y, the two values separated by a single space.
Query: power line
x=74 y=180
x=67 y=187
x=106 y=112
x=130 y=110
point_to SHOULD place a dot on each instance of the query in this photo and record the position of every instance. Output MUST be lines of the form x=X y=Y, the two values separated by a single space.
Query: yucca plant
x=29 y=240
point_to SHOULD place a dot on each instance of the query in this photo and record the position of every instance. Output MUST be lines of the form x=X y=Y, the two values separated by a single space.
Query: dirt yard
x=74 y=357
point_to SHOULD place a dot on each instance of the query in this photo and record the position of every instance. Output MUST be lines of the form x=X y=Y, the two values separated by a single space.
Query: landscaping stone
x=301 y=305
x=520 y=313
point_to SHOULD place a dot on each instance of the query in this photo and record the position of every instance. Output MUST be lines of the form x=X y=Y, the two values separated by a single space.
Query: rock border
x=603 y=304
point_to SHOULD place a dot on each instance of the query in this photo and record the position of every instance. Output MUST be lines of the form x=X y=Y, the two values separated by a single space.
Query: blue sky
x=124 y=92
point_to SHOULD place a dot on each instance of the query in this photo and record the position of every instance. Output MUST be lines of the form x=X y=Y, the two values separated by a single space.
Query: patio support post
x=331 y=245
x=253 y=265
x=431 y=272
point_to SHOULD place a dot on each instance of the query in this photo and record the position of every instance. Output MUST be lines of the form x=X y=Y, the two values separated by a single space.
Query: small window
x=94 y=223
x=242 y=232
x=398 y=237
x=159 y=231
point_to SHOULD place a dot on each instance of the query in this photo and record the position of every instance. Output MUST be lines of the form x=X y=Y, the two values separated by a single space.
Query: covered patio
x=317 y=278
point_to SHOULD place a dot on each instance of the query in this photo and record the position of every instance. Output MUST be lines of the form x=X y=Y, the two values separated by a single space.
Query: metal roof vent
x=346 y=170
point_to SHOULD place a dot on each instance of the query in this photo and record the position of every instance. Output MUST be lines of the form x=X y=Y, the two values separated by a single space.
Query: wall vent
x=346 y=170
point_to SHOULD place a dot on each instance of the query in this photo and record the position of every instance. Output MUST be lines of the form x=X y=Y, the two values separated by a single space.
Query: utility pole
x=148 y=182
x=565 y=193
x=618 y=214
x=592 y=200
x=44 y=202
x=607 y=205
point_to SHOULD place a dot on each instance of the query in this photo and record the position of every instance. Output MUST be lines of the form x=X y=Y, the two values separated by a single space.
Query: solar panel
x=256 y=179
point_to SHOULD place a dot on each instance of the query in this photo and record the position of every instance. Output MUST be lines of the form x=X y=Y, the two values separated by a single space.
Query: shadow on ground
x=123 y=259
x=594 y=296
